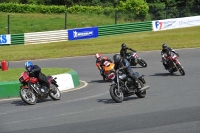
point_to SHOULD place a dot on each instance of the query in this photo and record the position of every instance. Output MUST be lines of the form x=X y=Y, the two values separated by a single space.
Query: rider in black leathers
x=123 y=51
x=120 y=64
x=35 y=71
x=167 y=50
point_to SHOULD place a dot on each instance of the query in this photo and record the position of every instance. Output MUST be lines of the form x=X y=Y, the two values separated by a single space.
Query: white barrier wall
x=45 y=37
x=175 y=23
x=64 y=81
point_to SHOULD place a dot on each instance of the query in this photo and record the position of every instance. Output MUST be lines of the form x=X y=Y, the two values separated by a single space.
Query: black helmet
x=123 y=45
x=117 y=58
x=164 y=46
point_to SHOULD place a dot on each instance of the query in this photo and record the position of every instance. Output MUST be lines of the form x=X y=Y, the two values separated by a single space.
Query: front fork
x=177 y=64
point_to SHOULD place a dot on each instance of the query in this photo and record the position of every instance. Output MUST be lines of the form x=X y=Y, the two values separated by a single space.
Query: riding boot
x=139 y=85
x=136 y=80
x=102 y=74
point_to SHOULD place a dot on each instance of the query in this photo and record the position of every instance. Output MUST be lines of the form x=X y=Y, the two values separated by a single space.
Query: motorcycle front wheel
x=181 y=70
x=142 y=63
x=28 y=96
x=54 y=93
x=116 y=96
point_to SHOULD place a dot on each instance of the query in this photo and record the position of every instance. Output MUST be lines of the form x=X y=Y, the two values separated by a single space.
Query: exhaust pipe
x=144 y=88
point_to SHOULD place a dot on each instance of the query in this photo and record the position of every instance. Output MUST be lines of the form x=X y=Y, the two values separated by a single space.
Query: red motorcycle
x=31 y=90
x=173 y=64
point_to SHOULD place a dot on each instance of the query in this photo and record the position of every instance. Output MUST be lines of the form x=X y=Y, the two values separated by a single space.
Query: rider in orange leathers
x=99 y=63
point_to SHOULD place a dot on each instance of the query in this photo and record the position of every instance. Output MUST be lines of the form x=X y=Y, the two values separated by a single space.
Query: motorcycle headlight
x=21 y=80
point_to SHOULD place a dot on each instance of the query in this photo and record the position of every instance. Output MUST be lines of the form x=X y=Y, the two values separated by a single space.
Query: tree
x=139 y=8
x=157 y=10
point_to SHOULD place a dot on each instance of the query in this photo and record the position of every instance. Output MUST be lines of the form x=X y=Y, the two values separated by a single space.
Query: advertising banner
x=82 y=33
x=5 y=39
x=176 y=23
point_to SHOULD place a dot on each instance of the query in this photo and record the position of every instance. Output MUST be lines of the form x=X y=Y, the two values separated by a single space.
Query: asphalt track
x=172 y=104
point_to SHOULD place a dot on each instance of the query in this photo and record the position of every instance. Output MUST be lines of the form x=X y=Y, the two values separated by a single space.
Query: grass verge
x=13 y=74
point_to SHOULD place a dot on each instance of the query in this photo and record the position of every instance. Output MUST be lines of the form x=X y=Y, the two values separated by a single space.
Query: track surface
x=172 y=104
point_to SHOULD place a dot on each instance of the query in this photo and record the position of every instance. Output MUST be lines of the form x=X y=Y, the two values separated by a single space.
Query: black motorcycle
x=123 y=86
x=134 y=59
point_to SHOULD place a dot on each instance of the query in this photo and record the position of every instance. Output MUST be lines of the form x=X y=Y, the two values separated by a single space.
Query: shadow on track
x=110 y=101
x=165 y=74
x=105 y=101
x=22 y=103
x=99 y=81
x=137 y=67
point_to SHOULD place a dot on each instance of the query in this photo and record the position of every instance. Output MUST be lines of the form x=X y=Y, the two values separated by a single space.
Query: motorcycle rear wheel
x=116 y=96
x=55 y=96
x=142 y=63
x=141 y=94
x=28 y=96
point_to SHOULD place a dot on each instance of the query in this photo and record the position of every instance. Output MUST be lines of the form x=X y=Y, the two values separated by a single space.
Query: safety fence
x=45 y=37
x=93 y=32
x=76 y=34
x=124 y=28
x=17 y=39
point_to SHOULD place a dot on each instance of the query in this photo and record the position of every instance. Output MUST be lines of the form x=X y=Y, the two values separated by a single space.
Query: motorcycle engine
x=44 y=89
x=40 y=89
x=129 y=85
x=122 y=76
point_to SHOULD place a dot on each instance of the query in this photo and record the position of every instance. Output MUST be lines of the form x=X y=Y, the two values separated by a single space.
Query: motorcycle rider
x=120 y=64
x=123 y=51
x=166 y=50
x=99 y=63
x=35 y=71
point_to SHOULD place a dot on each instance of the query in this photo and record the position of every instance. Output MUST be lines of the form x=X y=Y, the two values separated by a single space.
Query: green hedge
x=29 y=8
x=131 y=8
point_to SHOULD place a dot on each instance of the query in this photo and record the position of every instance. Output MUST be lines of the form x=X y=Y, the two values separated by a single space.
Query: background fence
x=17 y=39
x=124 y=28
x=45 y=37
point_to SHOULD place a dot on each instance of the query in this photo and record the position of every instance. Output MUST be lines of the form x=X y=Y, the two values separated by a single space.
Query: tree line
x=166 y=3
x=157 y=9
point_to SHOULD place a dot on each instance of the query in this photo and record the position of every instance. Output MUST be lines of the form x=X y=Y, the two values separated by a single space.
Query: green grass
x=35 y=22
x=144 y=41
x=13 y=74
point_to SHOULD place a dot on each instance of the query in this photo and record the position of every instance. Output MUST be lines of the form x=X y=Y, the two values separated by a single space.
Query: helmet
x=123 y=45
x=29 y=66
x=98 y=56
x=117 y=58
x=164 y=46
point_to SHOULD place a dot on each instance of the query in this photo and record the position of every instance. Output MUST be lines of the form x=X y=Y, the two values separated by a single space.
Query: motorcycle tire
x=53 y=95
x=116 y=96
x=181 y=70
x=133 y=63
x=141 y=94
x=142 y=63
x=28 y=96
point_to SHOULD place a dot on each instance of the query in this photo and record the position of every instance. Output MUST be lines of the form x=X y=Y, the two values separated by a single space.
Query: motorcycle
x=123 y=86
x=31 y=90
x=173 y=63
x=108 y=68
x=134 y=59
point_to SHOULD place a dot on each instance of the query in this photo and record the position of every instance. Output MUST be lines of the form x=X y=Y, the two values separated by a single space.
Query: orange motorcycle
x=108 y=68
